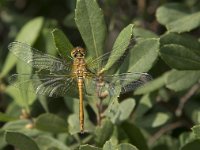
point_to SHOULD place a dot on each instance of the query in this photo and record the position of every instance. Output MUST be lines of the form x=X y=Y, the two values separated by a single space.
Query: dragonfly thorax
x=78 y=52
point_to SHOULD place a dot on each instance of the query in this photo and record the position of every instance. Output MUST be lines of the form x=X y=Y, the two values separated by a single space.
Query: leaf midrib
x=92 y=31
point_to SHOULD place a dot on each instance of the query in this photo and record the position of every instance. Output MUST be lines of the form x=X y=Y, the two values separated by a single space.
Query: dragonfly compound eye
x=78 y=52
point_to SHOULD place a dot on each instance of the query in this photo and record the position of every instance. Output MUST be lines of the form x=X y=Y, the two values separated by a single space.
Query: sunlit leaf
x=153 y=120
x=120 y=46
x=196 y=130
x=17 y=96
x=28 y=34
x=185 y=24
x=171 y=12
x=177 y=17
x=143 y=55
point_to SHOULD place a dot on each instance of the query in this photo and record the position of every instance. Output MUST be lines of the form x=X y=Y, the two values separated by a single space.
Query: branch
x=163 y=130
x=185 y=98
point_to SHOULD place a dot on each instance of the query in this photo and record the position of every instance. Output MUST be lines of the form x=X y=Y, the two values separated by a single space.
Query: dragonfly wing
x=96 y=64
x=127 y=81
x=36 y=58
x=49 y=85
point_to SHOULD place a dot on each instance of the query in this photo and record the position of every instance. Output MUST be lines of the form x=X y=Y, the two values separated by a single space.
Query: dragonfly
x=63 y=75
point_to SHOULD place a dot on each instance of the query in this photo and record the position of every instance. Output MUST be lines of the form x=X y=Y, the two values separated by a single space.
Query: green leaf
x=69 y=20
x=2 y=140
x=152 y=85
x=185 y=138
x=191 y=110
x=18 y=98
x=143 y=55
x=160 y=119
x=170 y=12
x=51 y=123
x=26 y=98
x=120 y=46
x=122 y=111
x=126 y=146
x=88 y=147
x=21 y=126
x=26 y=89
x=28 y=34
x=46 y=142
x=44 y=102
x=16 y=125
x=185 y=24
x=153 y=120
x=178 y=18
x=196 y=130
x=6 y=118
x=112 y=109
x=143 y=33
x=62 y=43
x=74 y=124
x=125 y=109
x=182 y=80
x=20 y=141
x=30 y=31
x=145 y=103
x=46 y=42
x=185 y=40
x=180 y=57
x=90 y=22
x=135 y=136
x=13 y=109
x=109 y=146
x=194 y=145
x=104 y=132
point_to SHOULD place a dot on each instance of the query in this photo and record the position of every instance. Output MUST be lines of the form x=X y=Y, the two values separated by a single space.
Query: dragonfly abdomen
x=81 y=111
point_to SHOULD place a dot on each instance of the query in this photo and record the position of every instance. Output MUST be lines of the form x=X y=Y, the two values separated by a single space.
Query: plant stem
x=185 y=98
x=163 y=130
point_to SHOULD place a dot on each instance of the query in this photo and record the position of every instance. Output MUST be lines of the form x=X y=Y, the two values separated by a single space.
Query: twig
x=163 y=130
x=185 y=98
x=99 y=107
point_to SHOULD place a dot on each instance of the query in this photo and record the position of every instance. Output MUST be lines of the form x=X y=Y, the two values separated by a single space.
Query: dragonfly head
x=78 y=52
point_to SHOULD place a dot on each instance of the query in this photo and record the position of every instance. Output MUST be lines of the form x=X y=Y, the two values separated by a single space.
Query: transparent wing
x=36 y=58
x=128 y=81
x=98 y=63
x=49 y=85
